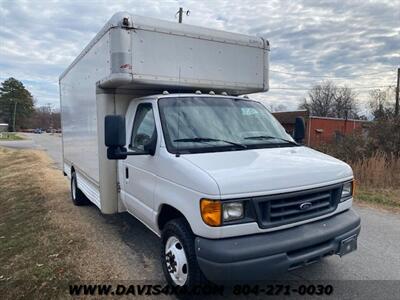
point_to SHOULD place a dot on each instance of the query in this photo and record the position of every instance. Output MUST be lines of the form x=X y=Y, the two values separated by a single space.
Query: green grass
x=387 y=198
x=10 y=136
x=32 y=249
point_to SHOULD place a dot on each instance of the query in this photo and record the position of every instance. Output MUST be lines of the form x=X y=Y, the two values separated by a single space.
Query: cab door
x=138 y=171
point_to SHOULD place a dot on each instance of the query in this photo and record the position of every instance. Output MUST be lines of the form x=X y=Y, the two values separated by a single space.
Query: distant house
x=321 y=129
x=3 y=127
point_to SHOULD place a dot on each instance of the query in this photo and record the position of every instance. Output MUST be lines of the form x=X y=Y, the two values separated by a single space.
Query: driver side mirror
x=115 y=139
x=299 y=130
x=114 y=136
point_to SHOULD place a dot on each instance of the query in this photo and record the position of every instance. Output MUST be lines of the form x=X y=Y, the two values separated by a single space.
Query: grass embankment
x=378 y=180
x=10 y=136
x=387 y=198
x=33 y=251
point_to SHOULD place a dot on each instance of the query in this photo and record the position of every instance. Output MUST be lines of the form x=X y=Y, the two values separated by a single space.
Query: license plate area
x=348 y=245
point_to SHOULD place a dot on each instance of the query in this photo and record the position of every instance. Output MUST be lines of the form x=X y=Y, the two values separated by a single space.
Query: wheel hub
x=176 y=261
x=171 y=262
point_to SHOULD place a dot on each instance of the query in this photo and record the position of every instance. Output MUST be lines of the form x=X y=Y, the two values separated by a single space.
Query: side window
x=144 y=127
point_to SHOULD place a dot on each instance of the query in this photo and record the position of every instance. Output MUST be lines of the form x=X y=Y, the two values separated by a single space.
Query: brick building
x=330 y=130
x=321 y=129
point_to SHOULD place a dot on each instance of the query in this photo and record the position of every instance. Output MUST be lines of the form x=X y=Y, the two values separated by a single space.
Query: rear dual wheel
x=78 y=198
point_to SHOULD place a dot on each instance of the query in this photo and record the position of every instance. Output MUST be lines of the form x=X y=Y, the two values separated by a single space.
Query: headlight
x=215 y=212
x=347 y=190
x=232 y=211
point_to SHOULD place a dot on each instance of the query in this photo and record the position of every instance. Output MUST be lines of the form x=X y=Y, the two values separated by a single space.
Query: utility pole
x=180 y=14
x=50 y=111
x=15 y=114
x=396 y=108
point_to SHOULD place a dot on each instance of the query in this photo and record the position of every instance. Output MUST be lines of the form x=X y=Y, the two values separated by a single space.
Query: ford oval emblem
x=305 y=205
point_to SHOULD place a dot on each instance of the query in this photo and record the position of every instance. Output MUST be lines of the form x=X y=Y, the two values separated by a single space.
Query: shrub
x=377 y=171
x=375 y=158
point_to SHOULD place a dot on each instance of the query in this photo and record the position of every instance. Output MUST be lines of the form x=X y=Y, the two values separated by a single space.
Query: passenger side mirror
x=299 y=130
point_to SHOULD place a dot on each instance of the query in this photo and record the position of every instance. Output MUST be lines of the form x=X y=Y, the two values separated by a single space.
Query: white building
x=3 y=127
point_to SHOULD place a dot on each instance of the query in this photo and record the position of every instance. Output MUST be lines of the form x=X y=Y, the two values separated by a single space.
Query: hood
x=271 y=169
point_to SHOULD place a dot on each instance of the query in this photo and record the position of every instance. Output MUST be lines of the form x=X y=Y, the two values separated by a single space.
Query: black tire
x=78 y=198
x=180 y=229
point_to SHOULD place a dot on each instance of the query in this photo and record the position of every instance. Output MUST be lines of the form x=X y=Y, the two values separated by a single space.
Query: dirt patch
x=46 y=242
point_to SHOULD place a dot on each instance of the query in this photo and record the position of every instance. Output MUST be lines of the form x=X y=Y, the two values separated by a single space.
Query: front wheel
x=178 y=257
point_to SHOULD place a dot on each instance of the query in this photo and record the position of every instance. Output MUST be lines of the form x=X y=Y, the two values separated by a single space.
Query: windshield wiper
x=205 y=140
x=267 y=137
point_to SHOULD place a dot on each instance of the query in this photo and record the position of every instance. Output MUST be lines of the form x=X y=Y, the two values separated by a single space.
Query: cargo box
x=151 y=55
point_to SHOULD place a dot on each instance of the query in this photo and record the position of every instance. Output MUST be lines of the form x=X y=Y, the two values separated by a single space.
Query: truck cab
x=219 y=179
x=155 y=122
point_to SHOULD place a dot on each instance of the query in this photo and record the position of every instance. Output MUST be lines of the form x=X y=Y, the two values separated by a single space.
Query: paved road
x=377 y=258
x=45 y=141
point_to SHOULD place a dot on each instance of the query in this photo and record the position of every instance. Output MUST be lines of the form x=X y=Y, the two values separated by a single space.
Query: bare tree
x=44 y=117
x=380 y=104
x=328 y=100
x=345 y=103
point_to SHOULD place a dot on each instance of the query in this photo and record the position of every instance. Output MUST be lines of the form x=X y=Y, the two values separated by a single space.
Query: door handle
x=126 y=172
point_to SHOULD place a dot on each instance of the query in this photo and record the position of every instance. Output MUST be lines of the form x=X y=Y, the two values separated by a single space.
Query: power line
x=353 y=88
x=327 y=76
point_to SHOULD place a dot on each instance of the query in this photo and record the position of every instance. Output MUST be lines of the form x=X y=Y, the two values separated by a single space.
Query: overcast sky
x=355 y=43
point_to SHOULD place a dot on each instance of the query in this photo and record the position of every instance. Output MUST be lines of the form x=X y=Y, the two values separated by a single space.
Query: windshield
x=210 y=124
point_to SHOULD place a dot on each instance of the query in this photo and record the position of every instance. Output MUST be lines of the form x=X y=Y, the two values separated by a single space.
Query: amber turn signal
x=211 y=212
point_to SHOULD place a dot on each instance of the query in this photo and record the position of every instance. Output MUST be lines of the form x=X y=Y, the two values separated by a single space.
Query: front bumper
x=259 y=256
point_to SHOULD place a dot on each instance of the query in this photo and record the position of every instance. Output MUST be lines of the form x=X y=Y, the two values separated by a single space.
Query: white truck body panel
x=261 y=170
x=79 y=109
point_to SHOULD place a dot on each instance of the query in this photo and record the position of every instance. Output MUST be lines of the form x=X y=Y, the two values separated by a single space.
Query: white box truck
x=153 y=124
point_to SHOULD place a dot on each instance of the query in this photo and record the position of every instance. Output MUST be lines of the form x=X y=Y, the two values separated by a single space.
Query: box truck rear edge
x=153 y=125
